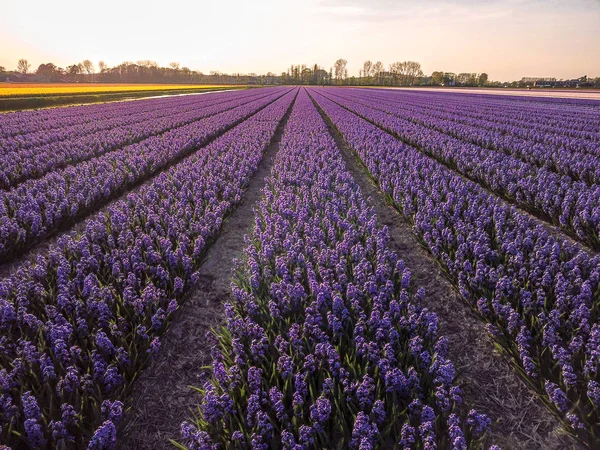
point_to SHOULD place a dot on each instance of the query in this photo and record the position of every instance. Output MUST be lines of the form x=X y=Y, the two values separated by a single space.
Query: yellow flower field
x=43 y=89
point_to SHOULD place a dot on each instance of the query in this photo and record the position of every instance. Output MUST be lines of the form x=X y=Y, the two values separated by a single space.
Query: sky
x=507 y=39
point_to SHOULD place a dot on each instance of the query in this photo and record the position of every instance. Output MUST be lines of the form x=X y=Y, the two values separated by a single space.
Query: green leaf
x=178 y=445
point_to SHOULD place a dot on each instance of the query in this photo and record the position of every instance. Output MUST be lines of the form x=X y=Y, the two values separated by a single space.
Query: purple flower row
x=536 y=120
x=325 y=344
x=577 y=159
x=32 y=162
x=23 y=123
x=79 y=324
x=572 y=205
x=579 y=114
x=100 y=117
x=483 y=116
x=539 y=294
x=39 y=207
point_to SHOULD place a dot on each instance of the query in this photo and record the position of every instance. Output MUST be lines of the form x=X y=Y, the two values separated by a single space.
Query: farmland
x=301 y=268
x=15 y=96
x=589 y=94
x=37 y=89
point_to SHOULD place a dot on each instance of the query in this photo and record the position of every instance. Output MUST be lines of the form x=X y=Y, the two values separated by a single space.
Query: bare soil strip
x=488 y=382
x=162 y=397
x=40 y=245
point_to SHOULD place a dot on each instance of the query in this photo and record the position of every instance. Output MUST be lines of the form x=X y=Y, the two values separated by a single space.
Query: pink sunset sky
x=507 y=39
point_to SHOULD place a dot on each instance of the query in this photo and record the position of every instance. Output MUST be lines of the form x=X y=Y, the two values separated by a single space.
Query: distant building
x=386 y=77
x=16 y=77
x=534 y=80
x=549 y=82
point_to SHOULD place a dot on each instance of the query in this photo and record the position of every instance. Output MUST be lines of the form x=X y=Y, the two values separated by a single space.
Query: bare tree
x=377 y=69
x=414 y=71
x=398 y=70
x=49 y=71
x=395 y=71
x=88 y=66
x=340 y=69
x=23 y=66
x=75 y=71
x=406 y=72
x=187 y=73
x=148 y=63
x=367 y=68
x=102 y=66
x=174 y=66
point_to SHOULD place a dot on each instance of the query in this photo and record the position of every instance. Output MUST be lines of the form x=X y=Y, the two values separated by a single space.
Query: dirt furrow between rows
x=162 y=397
x=488 y=382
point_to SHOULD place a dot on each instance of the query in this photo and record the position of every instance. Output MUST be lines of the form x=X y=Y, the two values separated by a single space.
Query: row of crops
x=537 y=290
x=325 y=347
x=324 y=342
x=80 y=322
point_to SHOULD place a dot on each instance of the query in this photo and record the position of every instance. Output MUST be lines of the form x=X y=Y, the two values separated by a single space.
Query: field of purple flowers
x=108 y=212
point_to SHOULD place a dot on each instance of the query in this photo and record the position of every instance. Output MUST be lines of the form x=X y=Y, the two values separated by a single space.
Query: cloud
x=433 y=11
x=463 y=10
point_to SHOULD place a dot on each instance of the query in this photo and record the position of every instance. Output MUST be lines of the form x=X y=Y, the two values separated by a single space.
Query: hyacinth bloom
x=79 y=323
x=559 y=148
x=31 y=155
x=530 y=175
x=40 y=206
x=325 y=344
x=25 y=129
x=538 y=292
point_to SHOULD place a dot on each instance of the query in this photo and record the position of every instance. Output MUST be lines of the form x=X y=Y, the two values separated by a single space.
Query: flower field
x=40 y=89
x=108 y=214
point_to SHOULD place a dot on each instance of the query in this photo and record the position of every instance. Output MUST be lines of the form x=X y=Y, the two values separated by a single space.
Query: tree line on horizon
x=143 y=71
x=400 y=73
